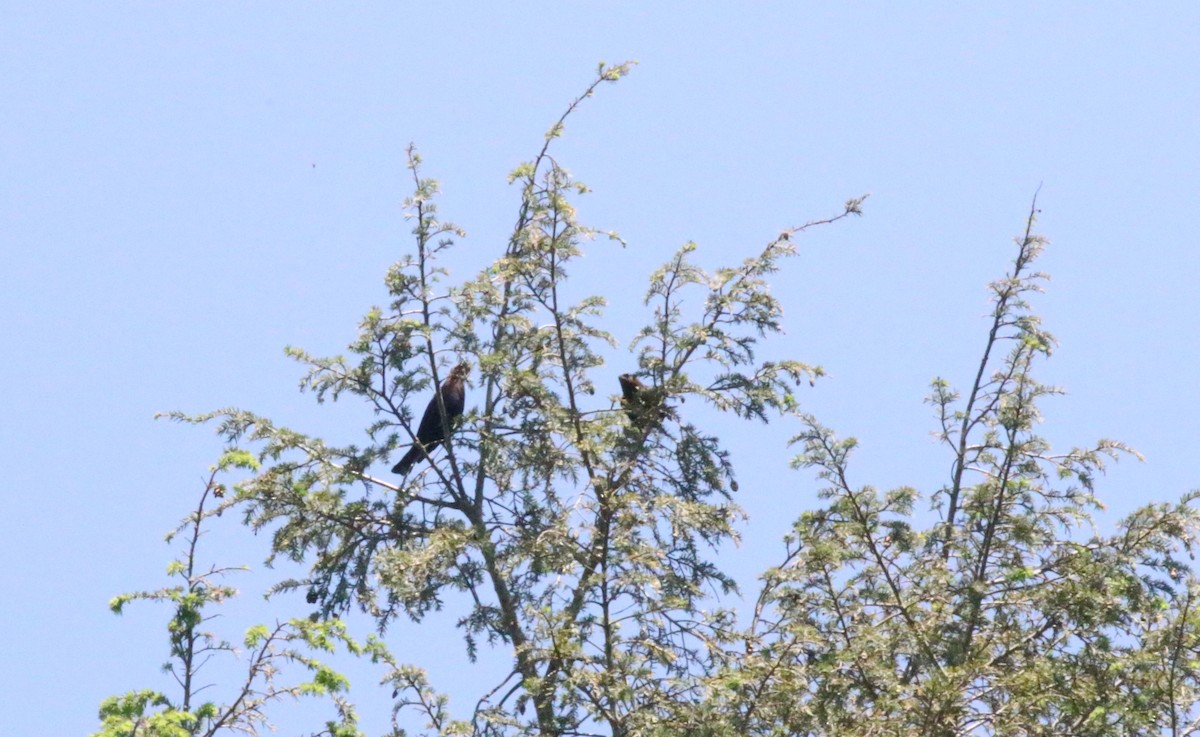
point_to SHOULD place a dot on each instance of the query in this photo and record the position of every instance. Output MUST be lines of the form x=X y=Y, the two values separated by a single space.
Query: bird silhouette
x=431 y=432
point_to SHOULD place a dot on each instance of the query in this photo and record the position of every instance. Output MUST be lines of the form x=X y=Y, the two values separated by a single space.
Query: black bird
x=430 y=432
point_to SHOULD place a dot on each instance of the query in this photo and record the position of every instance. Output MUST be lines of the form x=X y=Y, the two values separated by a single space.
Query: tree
x=574 y=533
x=268 y=650
x=1009 y=615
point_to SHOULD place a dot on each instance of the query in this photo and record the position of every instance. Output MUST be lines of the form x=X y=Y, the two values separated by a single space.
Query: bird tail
x=406 y=463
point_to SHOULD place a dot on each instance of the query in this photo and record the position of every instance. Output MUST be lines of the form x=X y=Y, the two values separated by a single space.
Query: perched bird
x=641 y=403
x=431 y=433
x=630 y=386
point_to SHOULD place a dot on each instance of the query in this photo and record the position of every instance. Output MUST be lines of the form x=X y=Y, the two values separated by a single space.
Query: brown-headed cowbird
x=431 y=433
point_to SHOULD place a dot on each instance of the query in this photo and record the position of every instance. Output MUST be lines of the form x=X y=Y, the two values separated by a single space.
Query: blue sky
x=188 y=188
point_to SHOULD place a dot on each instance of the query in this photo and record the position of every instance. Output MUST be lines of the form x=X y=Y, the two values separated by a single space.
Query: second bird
x=430 y=432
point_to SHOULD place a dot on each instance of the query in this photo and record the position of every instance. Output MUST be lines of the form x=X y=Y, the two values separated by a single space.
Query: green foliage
x=999 y=618
x=132 y=714
x=575 y=534
x=269 y=651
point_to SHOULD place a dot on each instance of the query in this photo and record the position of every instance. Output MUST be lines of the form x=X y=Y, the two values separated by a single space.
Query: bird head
x=629 y=382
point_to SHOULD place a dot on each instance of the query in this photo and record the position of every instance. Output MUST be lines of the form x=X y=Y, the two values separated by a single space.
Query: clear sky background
x=187 y=188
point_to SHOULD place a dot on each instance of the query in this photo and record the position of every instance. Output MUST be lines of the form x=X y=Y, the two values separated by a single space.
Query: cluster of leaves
x=574 y=534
